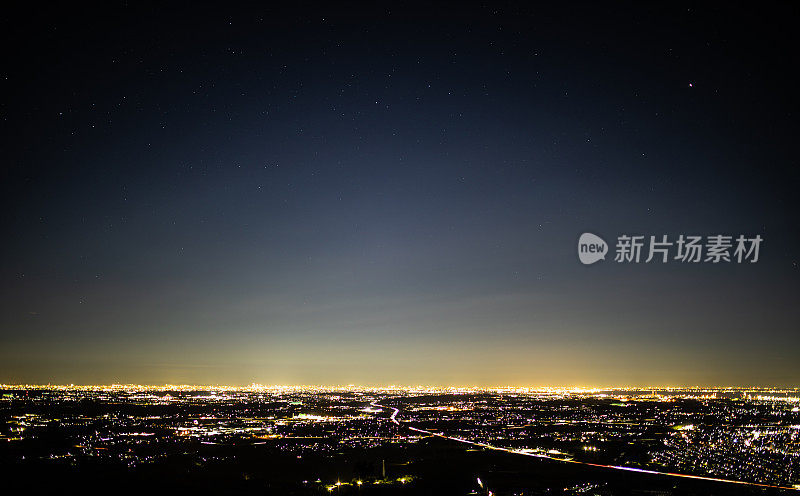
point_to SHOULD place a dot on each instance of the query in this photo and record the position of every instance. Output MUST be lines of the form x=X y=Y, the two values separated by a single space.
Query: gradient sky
x=393 y=194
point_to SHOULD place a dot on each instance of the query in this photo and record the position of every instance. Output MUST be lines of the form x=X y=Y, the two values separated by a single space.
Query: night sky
x=393 y=193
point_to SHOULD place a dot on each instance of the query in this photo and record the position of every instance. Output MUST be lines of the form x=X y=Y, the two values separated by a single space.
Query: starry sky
x=392 y=193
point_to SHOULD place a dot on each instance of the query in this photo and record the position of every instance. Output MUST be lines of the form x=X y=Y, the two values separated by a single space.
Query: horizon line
x=252 y=386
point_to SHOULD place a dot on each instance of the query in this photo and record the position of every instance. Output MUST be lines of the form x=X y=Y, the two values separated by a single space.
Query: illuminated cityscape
x=397 y=440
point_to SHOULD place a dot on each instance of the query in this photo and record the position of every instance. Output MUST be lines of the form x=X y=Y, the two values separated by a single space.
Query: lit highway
x=396 y=411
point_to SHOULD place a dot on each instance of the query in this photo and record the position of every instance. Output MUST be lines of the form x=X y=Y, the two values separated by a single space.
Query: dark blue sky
x=394 y=193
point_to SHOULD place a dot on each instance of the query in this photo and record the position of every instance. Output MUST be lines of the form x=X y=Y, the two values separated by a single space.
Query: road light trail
x=396 y=411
